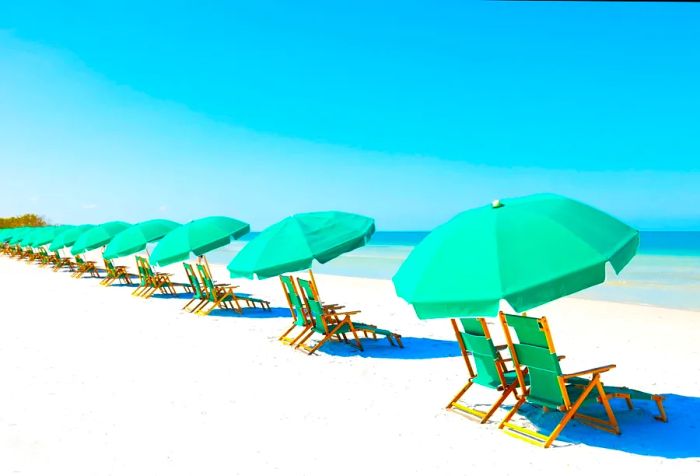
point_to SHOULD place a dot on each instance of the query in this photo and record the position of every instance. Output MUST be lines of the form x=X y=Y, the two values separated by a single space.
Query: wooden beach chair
x=489 y=369
x=85 y=267
x=115 y=273
x=368 y=330
x=198 y=290
x=551 y=389
x=300 y=318
x=60 y=262
x=223 y=296
x=42 y=257
x=328 y=324
x=150 y=282
x=26 y=254
x=335 y=322
x=49 y=259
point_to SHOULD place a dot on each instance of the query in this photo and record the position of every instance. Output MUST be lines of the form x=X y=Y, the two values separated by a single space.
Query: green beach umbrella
x=295 y=242
x=197 y=237
x=28 y=238
x=6 y=234
x=98 y=236
x=47 y=234
x=19 y=235
x=527 y=251
x=135 y=238
x=69 y=237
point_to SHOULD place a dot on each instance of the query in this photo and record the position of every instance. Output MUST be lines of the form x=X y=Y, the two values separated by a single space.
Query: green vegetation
x=28 y=219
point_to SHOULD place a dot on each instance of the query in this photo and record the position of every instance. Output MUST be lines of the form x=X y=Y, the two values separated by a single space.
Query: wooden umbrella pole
x=206 y=264
x=313 y=283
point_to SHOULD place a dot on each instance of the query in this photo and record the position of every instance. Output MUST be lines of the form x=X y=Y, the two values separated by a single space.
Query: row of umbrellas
x=526 y=251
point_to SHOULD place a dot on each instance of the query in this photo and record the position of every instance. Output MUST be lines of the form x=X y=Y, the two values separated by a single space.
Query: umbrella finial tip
x=496 y=204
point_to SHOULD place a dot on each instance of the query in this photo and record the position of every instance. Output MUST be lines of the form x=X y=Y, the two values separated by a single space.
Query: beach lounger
x=115 y=273
x=197 y=289
x=489 y=370
x=26 y=253
x=48 y=259
x=334 y=322
x=85 y=267
x=60 y=262
x=551 y=389
x=42 y=257
x=150 y=281
x=223 y=296
x=300 y=318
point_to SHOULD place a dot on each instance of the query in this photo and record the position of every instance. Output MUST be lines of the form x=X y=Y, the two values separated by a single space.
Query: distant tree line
x=28 y=219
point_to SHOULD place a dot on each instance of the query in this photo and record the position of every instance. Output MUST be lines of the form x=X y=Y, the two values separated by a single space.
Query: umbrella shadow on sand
x=641 y=433
x=415 y=348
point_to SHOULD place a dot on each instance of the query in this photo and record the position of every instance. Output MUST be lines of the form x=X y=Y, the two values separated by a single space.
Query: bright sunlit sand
x=98 y=382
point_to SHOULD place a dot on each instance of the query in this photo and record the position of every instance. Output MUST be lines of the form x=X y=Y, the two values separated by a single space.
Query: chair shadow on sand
x=253 y=313
x=248 y=312
x=641 y=433
x=414 y=348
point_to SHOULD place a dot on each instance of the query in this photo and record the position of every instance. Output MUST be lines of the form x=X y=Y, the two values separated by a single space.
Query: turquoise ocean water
x=665 y=272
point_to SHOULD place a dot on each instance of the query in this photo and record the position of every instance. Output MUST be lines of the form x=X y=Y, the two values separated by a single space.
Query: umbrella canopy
x=293 y=243
x=12 y=233
x=19 y=235
x=197 y=237
x=98 y=236
x=28 y=238
x=135 y=238
x=68 y=237
x=528 y=251
x=47 y=235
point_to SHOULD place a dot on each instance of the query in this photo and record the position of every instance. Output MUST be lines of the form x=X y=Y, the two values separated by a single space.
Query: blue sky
x=406 y=112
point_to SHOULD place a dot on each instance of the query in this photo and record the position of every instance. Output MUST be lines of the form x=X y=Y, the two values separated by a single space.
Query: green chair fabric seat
x=300 y=317
x=198 y=290
x=489 y=368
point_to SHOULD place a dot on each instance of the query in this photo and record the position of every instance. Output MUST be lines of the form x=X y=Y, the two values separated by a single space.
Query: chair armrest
x=596 y=370
x=333 y=306
x=562 y=357
x=226 y=286
x=344 y=313
x=501 y=347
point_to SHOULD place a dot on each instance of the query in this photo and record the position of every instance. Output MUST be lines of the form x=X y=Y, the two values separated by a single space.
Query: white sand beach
x=97 y=382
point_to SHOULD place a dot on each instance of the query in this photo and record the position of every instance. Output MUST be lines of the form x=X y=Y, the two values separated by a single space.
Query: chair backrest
x=147 y=268
x=535 y=351
x=208 y=281
x=79 y=260
x=295 y=303
x=143 y=276
x=194 y=281
x=313 y=305
x=476 y=339
x=109 y=265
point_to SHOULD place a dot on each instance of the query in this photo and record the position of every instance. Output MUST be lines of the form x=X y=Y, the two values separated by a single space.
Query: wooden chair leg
x=459 y=395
